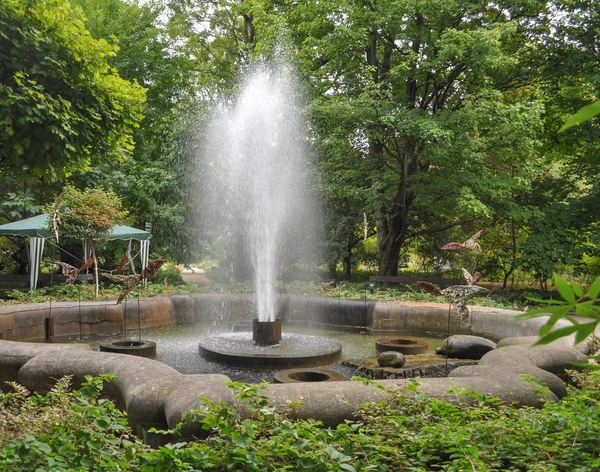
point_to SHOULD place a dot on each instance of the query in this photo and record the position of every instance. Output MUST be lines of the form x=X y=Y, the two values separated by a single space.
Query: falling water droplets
x=256 y=180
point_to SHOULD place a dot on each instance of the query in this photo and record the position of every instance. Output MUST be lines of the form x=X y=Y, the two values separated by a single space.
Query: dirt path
x=197 y=277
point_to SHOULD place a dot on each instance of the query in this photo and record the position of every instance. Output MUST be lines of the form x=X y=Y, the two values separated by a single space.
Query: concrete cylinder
x=266 y=333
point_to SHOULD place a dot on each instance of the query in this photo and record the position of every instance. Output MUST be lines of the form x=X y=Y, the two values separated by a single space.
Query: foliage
x=62 y=105
x=576 y=304
x=86 y=292
x=88 y=214
x=20 y=204
x=512 y=300
x=168 y=274
x=585 y=113
x=81 y=431
x=423 y=112
x=65 y=430
x=152 y=50
x=417 y=433
x=553 y=241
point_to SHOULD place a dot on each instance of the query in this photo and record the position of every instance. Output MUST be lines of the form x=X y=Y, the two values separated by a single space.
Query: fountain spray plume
x=257 y=181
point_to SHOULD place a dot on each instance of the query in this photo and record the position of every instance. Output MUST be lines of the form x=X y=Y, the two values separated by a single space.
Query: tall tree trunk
x=393 y=219
x=513 y=263
x=248 y=28
x=347 y=261
x=332 y=269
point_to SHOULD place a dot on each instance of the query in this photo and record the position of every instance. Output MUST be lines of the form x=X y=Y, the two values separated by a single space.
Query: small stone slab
x=463 y=346
x=426 y=367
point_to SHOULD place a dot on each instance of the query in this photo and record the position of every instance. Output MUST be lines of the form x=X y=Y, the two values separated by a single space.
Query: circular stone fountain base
x=136 y=348
x=294 y=350
x=307 y=375
x=406 y=346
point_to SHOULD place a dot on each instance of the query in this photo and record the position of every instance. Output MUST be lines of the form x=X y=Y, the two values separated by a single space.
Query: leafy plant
x=86 y=292
x=81 y=431
x=65 y=430
x=21 y=203
x=575 y=304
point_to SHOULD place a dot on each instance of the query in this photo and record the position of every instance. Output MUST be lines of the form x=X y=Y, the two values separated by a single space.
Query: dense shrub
x=169 y=274
x=85 y=292
x=80 y=431
x=65 y=430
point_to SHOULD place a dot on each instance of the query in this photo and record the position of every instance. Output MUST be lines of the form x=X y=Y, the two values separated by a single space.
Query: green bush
x=81 y=431
x=86 y=292
x=65 y=430
x=169 y=274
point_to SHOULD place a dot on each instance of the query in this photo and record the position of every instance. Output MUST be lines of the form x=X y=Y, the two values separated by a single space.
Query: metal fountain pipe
x=266 y=333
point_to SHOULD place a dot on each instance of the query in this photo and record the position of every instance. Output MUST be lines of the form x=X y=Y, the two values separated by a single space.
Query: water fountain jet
x=259 y=192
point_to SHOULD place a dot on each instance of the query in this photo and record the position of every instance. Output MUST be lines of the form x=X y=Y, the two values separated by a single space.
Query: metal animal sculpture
x=121 y=263
x=457 y=295
x=470 y=279
x=126 y=257
x=470 y=243
x=71 y=272
x=431 y=288
x=130 y=281
x=56 y=216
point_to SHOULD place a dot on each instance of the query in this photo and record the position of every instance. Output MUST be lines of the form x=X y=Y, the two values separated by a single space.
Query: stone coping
x=155 y=395
x=28 y=322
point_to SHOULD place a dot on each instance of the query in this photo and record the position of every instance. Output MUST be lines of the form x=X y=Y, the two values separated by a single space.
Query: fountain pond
x=177 y=346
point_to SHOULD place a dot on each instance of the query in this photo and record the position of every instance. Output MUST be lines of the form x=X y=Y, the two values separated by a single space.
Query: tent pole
x=36 y=250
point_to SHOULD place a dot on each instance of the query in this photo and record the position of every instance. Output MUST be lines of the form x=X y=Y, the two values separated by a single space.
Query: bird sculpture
x=126 y=258
x=71 y=272
x=458 y=295
x=130 y=281
x=56 y=216
x=470 y=279
x=470 y=243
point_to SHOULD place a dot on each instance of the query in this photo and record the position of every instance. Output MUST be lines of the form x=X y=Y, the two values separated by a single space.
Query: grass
x=357 y=290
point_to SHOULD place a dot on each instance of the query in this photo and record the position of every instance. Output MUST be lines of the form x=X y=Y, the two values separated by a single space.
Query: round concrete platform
x=294 y=350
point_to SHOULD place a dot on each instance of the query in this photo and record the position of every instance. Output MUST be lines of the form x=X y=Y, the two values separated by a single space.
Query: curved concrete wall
x=28 y=322
x=154 y=394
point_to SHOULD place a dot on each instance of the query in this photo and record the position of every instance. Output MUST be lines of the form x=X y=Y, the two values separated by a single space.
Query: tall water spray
x=256 y=178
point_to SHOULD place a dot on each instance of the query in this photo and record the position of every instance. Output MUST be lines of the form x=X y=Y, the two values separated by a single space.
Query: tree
x=165 y=46
x=63 y=106
x=433 y=95
x=88 y=215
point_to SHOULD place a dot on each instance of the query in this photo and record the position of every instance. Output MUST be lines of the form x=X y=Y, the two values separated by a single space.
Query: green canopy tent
x=34 y=228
